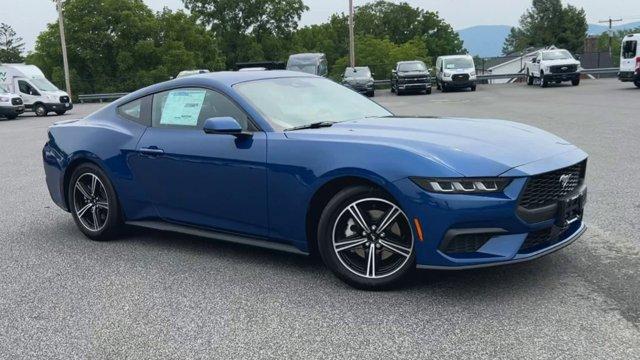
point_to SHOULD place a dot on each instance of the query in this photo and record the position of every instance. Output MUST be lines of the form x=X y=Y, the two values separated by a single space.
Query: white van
x=630 y=60
x=310 y=63
x=10 y=104
x=455 y=72
x=38 y=93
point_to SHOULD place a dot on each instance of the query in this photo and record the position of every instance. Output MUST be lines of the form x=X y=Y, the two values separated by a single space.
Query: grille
x=64 y=99
x=460 y=77
x=16 y=101
x=466 y=243
x=547 y=189
x=559 y=69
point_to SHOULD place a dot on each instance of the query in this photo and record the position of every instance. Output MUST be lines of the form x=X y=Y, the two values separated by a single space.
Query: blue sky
x=30 y=17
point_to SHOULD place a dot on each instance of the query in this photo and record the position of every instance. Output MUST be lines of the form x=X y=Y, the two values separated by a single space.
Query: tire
x=393 y=89
x=438 y=85
x=428 y=91
x=61 y=112
x=40 y=110
x=637 y=83
x=543 y=83
x=348 y=258
x=473 y=88
x=399 y=92
x=371 y=94
x=443 y=88
x=575 y=82
x=530 y=79
x=94 y=197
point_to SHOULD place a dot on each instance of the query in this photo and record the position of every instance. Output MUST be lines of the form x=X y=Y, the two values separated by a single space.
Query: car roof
x=455 y=56
x=231 y=78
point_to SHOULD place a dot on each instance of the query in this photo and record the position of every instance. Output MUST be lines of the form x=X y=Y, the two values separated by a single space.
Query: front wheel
x=575 y=82
x=60 y=112
x=473 y=88
x=637 y=83
x=365 y=239
x=428 y=91
x=543 y=83
x=40 y=110
x=530 y=79
x=93 y=203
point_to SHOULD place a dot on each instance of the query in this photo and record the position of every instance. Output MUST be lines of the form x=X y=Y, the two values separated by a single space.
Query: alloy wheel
x=91 y=203
x=372 y=238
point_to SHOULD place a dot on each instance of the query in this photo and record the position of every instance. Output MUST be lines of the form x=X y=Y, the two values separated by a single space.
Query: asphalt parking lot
x=160 y=295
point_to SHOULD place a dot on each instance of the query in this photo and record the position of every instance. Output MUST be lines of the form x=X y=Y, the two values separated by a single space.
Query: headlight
x=473 y=73
x=4 y=99
x=462 y=185
x=447 y=74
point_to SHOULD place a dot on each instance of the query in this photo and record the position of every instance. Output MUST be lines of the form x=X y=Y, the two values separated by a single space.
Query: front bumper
x=562 y=76
x=58 y=106
x=508 y=238
x=422 y=85
x=11 y=110
x=629 y=76
x=459 y=84
x=361 y=88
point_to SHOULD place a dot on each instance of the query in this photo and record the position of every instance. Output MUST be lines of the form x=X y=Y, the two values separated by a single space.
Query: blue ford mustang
x=299 y=163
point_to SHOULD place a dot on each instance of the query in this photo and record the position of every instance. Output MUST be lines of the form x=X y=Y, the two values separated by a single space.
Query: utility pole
x=64 y=48
x=610 y=21
x=352 y=47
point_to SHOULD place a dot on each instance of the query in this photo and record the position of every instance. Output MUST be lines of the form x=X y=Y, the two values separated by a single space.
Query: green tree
x=381 y=55
x=250 y=29
x=11 y=45
x=547 y=23
x=122 y=45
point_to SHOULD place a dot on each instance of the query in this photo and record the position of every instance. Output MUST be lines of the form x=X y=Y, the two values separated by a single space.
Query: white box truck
x=630 y=60
x=38 y=93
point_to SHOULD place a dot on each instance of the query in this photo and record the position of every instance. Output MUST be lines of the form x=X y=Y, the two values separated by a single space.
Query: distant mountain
x=484 y=40
x=487 y=40
x=597 y=29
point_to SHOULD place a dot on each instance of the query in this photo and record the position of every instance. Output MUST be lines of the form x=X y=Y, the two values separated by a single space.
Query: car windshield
x=357 y=73
x=309 y=69
x=414 y=66
x=44 y=84
x=294 y=102
x=459 y=63
x=556 y=55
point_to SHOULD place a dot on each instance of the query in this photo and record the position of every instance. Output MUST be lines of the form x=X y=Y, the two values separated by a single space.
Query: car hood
x=470 y=147
x=560 y=62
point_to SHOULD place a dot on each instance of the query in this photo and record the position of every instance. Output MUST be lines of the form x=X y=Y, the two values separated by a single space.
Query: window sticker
x=182 y=107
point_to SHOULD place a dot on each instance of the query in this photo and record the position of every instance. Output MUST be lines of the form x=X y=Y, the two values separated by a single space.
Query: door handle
x=151 y=150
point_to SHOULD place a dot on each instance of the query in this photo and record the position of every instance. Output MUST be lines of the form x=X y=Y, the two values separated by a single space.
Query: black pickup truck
x=410 y=76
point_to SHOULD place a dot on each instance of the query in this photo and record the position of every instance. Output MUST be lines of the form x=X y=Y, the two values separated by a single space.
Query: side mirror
x=225 y=125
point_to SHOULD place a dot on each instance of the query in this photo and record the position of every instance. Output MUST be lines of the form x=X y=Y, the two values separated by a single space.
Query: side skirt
x=232 y=238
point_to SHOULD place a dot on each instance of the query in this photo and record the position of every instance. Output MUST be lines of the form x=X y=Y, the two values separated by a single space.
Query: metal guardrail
x=100 y=97
x=378 y=83
x=602 y=71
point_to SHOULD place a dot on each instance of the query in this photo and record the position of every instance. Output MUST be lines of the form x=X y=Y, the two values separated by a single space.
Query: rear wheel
x=93 y=203
x=366 y=239
x=40 y=110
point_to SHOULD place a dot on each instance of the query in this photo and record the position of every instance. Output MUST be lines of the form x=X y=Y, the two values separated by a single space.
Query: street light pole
x=64 y=48
x=352 y=49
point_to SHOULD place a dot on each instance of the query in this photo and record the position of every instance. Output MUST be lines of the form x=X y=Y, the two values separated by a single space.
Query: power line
x=610 y=21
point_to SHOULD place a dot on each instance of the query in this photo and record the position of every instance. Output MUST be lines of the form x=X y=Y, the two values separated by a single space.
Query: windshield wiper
x=315 y=125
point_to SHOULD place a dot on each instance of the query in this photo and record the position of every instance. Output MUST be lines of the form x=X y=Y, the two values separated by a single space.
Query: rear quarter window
x=136 y=111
